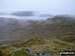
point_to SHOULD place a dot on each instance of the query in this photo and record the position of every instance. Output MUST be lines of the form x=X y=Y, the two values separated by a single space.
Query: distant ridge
x=23 y=13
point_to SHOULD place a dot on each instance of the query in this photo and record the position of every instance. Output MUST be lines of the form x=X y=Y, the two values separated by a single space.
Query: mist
x=44 y=6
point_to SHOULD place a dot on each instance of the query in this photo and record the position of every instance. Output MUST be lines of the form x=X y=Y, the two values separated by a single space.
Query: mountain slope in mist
x=15 y=29
x=10 y=28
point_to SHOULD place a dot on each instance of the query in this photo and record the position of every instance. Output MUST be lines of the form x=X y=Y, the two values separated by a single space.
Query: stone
x=25 y=52
x=47 y=54
x=34 y=54
x=17 y=50
x=68 y=48
x=4 y=45
x=41 y=54
x=31 y=52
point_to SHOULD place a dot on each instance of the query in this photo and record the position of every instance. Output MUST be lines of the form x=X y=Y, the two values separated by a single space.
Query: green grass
x=68 y=37
x=20 y=53
x=39 y=45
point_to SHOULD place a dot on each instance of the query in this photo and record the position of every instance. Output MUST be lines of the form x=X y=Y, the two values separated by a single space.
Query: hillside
x=37 y=45
x=12 y=29
x=62 y=27
x=19 y=37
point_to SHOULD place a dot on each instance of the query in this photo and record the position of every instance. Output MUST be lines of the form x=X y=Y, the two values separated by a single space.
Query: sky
x=47 y=6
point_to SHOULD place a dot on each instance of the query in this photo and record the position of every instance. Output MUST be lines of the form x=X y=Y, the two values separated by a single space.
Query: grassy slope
x=63 y=29
x=37 y=44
